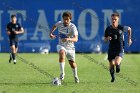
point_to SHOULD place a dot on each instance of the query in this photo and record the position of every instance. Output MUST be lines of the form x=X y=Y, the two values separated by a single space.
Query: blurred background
x=90 y=16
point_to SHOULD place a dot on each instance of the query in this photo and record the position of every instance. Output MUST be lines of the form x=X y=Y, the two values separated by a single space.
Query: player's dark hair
x=12 y=16
x=115 y=14
x=67 y=14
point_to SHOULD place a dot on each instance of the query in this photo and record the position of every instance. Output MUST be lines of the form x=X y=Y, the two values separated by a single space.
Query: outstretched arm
x=51 y=32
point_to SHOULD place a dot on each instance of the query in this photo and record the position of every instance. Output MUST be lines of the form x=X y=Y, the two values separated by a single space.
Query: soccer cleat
x=112 y=74
x=117 y=68
x=10 y=60
x=113 y=79
x=76 y=79
x=62 y=76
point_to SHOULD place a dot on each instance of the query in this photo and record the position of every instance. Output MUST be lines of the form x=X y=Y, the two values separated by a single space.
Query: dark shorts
x=112 y=55
x=14 y=42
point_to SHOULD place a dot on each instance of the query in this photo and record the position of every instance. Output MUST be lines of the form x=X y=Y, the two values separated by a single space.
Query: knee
x=62 y=54
x=111 y=64
x=72 y=64
x=13 y=49
x=117 y=62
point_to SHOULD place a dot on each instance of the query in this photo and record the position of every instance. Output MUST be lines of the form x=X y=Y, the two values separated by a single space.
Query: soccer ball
x=56 y=81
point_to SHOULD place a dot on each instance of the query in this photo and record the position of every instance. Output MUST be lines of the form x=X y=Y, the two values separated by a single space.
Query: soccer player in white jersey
x=68 y=34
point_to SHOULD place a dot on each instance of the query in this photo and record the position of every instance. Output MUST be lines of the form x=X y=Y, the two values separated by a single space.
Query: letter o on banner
x=82 y=24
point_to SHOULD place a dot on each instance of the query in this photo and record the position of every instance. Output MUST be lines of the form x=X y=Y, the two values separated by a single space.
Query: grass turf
x=34 y=73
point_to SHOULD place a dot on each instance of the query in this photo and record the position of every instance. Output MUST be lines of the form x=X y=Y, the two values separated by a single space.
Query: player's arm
x=8 y=32
x=129 y=36
x=106 y=39
x=106 y=36
x=74 y=39
x=20 y=31
x=51 y=32
x=75 y=36
x=53 y=29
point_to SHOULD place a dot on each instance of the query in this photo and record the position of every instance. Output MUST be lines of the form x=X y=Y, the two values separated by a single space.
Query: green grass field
x=35 y=76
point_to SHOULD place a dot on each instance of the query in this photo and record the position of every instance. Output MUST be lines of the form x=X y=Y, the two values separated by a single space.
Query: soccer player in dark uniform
x=13 y=29
x=115 y=35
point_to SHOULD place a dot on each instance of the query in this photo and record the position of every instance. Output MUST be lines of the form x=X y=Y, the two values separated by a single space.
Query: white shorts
x=70 y=52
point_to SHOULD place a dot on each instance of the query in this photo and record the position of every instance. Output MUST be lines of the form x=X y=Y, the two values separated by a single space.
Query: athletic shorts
x=112 y=55
x=70 y=52
x=14 y=42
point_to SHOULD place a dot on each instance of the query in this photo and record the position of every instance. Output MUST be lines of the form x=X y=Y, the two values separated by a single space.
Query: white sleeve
x=125 y=28
x=58 y=23
x=75 y=31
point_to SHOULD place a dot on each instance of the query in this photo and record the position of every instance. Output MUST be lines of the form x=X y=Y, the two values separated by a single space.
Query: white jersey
x=66 y=32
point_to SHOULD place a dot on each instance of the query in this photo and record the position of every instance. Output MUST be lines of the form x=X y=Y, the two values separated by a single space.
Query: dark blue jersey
x=13 y=27
x=117 y=38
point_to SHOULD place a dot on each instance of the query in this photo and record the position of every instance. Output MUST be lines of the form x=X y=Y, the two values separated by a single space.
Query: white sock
x=62 y=67
x=75 y=72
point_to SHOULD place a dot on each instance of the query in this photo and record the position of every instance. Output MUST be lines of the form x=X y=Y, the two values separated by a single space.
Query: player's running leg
x=112 y=71
x=13 y=48
x=10 y=57
x=74 y=69
x=62 y=63
x=16 y=49
x=118 y=60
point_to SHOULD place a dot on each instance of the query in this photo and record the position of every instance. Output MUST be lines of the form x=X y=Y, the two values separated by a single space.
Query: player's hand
x=8 y=33
x=129 y=41
x=109 y=38
x=52 y=36
x=106 y=39
x=16 y=32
